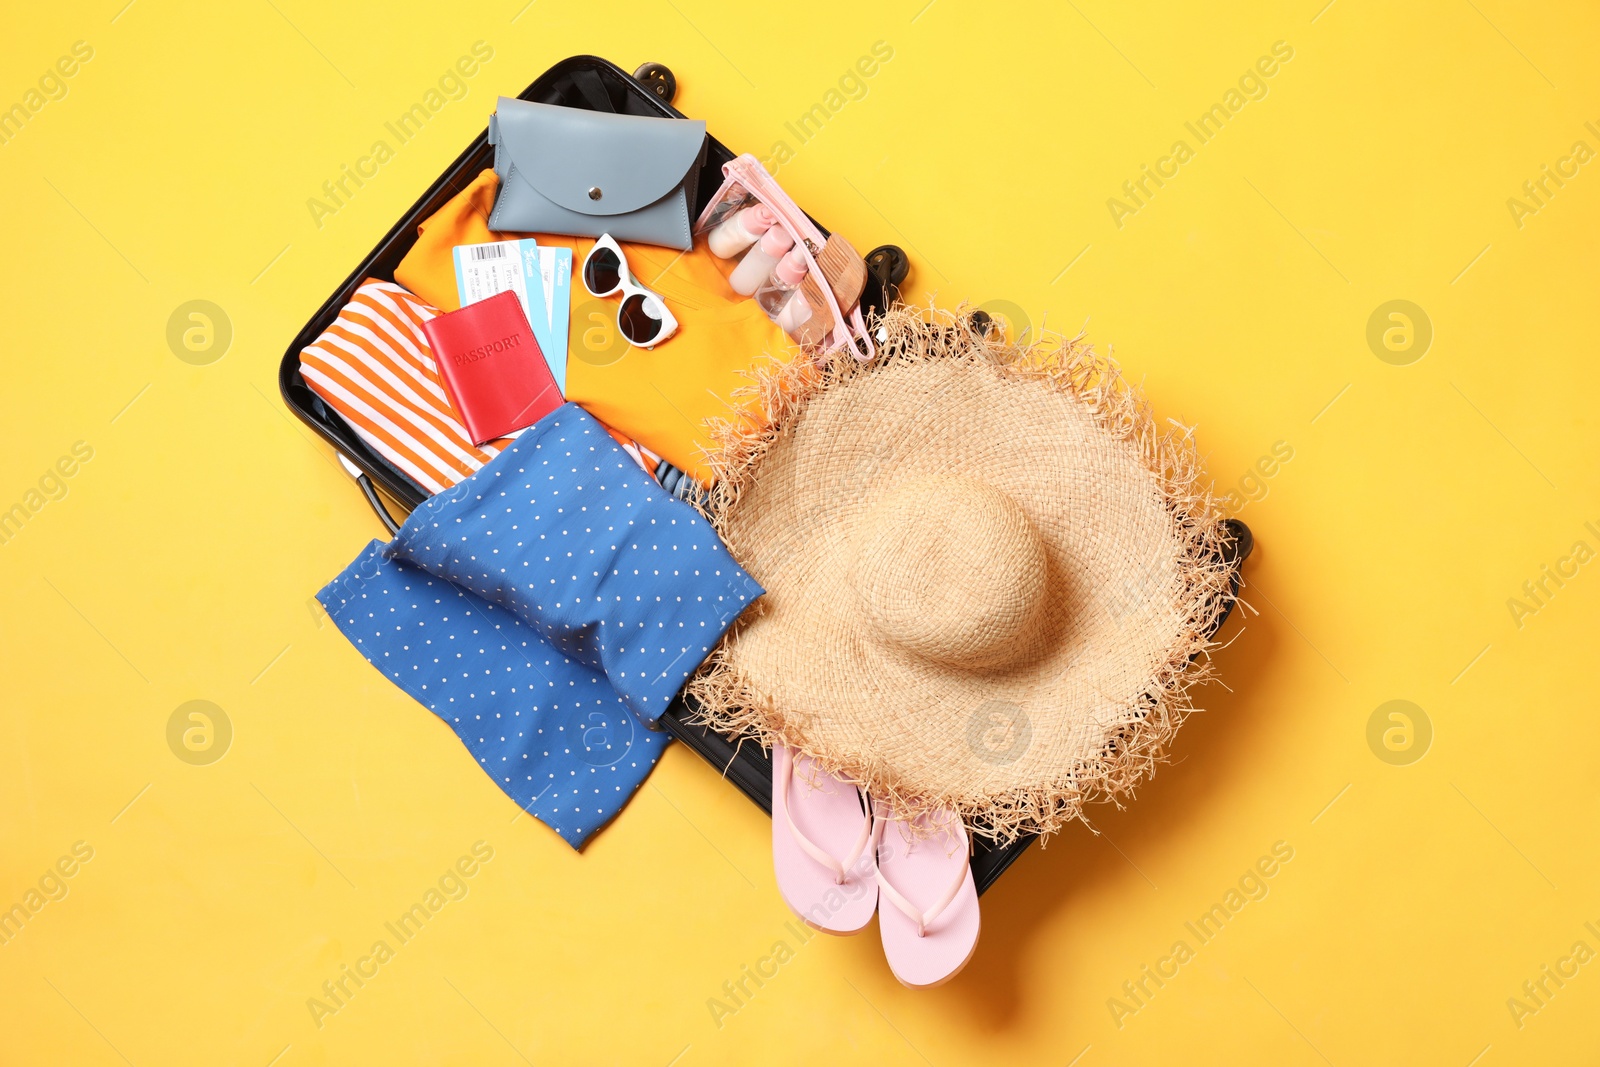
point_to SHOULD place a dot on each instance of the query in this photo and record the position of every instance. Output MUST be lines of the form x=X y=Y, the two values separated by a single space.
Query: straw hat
x=987 y=574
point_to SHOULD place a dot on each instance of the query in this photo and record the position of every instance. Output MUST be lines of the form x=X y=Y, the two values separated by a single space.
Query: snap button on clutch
x=594 y=192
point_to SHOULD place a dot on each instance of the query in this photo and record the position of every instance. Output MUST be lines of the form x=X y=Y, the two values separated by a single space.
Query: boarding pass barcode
x=482 y=252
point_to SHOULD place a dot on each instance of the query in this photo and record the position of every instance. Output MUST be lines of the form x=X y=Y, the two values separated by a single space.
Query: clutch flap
x=595 y=162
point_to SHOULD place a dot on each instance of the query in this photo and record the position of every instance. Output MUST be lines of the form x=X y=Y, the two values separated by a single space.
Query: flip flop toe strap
x=815 y=851
x=922 y=918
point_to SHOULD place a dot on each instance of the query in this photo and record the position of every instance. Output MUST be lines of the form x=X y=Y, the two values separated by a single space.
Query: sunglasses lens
x=602 y=272
x=638 y=325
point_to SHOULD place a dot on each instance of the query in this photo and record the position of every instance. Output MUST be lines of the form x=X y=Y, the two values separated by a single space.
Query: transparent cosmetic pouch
x=835 y=272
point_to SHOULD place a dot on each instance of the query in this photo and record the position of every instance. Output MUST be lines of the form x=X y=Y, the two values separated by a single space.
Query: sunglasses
x=643 y=317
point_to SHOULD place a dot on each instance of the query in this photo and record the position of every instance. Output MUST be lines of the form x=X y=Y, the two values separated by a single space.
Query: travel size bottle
x=758 y=263
x=740 y=230
x=780 y=298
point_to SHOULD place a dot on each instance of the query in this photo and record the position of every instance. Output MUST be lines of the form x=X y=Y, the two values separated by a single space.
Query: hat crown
x=952 y=570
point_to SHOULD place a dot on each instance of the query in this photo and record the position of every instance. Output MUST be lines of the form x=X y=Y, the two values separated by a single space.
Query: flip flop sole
x=916 y=963
x=829 y=813
x=922 y=870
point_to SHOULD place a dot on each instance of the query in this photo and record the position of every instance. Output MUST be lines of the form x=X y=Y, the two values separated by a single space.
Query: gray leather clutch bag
x=582 y=173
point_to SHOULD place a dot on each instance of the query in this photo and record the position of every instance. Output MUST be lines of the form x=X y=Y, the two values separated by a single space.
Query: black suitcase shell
x=595 y=84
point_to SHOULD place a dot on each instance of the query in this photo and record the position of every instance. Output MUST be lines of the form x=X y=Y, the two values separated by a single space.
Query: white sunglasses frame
x=628 y=287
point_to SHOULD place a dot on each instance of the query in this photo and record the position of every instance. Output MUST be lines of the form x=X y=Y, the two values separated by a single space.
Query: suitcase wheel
x=888 y=263
x=887 y=268
x=1242 y=542
x=659 y=79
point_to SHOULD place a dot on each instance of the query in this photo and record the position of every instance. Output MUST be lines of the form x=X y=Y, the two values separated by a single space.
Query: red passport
x=493 y=371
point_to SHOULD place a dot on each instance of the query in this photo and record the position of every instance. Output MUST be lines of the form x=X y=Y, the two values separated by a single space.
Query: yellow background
x=181 y=561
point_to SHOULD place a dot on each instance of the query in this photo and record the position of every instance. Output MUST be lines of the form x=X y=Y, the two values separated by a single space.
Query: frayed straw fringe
x=1138 y=741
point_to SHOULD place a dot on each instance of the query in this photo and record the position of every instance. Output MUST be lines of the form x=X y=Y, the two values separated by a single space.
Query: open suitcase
x=595 y=84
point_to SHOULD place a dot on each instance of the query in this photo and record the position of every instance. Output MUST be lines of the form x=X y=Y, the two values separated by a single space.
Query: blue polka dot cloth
x=548 y=608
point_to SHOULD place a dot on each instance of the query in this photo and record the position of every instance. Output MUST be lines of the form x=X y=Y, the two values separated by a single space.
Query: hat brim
x=1134 y=549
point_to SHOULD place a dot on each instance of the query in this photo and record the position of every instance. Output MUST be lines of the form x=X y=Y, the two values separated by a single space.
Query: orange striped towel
x=374 y=367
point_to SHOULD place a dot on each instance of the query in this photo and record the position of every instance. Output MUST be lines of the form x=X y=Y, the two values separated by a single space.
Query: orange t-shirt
x=660 y=397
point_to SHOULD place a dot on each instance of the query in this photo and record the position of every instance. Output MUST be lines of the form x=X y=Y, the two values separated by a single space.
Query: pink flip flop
x=820 y=834
x=929 y=913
